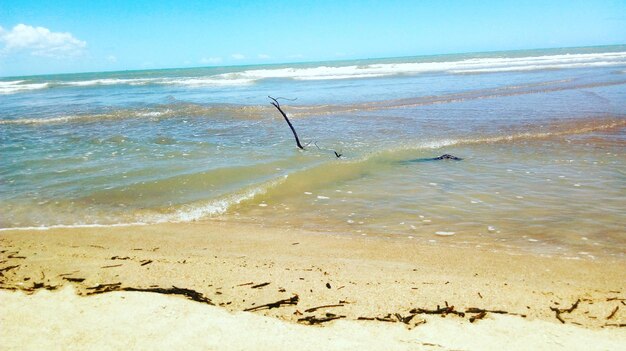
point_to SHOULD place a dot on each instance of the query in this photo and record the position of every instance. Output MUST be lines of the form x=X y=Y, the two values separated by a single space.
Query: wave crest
x=16 y=86
x=343 y=70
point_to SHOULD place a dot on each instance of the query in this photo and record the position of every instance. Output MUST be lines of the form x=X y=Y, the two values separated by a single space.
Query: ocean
x=541 y=134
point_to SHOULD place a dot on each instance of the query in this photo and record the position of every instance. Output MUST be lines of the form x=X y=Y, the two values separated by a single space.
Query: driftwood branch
x=276 y=104
x=5 y=269
x=12 y=255
x=480 y=315
x=613 y=313
x=74 y=280
x=290 y=301
x=40 y=286
x=405 y=320
x=113 y=265
x=188 y=293
x=480 y=310
x=318 y=320
x=313 y=309
x=102 y=288
x=439 y=310
x=393 y=318
x=559 y=311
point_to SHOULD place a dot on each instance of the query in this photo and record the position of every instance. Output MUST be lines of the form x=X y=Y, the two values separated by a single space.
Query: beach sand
x=187 y=285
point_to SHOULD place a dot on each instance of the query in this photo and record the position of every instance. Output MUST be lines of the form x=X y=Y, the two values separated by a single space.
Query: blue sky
x=38 y=37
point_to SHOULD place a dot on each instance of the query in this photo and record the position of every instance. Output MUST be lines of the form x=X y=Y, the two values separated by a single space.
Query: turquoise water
x=542 y=135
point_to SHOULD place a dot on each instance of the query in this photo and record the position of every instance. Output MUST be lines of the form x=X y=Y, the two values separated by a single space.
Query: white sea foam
x=310 y=73
x=17 y=86
x=60 y=119
x=111 y=81
x=74 y=118
x=183 y=81
x=478 y=65
x=187 y=213
x=218 y=206
x=152 y=113
x=330 y=72
x=514 y=68
x=11 y=87
x=62 y=226
x=208 y=81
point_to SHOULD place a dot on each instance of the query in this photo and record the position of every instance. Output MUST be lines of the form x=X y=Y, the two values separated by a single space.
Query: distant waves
x=193 y=78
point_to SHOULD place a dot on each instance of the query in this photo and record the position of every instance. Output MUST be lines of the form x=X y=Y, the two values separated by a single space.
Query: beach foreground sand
x=187 y=286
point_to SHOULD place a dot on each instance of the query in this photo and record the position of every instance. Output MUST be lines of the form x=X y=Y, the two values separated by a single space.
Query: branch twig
x=558 y=311
x=276 y=104
x=290 y=301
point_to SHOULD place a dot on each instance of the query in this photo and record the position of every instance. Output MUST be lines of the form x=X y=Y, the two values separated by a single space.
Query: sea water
x=541 y=134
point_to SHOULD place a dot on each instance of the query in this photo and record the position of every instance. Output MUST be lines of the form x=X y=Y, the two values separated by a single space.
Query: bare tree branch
x=276 y=104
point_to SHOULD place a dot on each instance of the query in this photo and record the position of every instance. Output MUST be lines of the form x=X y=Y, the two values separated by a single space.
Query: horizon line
x=308 y=62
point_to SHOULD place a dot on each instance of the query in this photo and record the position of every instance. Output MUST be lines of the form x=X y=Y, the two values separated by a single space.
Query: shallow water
x=542 y=135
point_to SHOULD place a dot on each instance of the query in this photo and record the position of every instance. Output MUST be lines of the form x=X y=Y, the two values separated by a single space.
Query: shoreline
x=356 y=280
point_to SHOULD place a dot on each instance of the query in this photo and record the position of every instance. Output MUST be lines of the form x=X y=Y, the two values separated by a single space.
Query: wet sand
x=376 y=292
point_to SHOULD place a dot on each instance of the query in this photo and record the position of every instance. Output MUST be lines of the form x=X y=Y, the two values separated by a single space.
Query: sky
x=43 y=37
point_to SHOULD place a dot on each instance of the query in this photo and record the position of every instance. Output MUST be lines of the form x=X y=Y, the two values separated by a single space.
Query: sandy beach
x=234 y=286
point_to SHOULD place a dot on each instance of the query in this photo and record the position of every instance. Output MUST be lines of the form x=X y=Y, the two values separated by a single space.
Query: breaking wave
x=183 y=81
x=340 y=70
x=477 y=65
x=16 y=86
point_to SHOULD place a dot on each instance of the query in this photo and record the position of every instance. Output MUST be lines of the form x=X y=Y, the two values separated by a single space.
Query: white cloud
x=238 y=56
x=264 y=56
x=211 y=60
x=40 y=41
x=112 y=58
